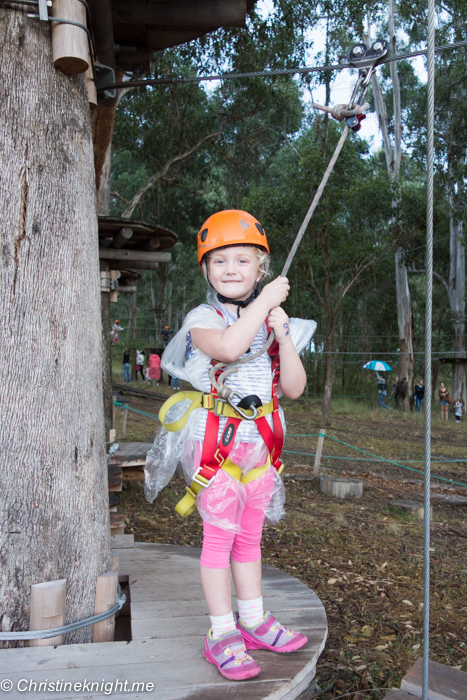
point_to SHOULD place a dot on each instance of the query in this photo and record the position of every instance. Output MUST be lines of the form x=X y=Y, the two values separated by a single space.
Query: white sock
x=251 y=611
x=221 y=624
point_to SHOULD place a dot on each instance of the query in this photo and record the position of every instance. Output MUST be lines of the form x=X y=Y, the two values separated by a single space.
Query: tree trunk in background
x=54 y=520
x=328 y=375
x=457 y=300
x=404 y=321
x=393 y=161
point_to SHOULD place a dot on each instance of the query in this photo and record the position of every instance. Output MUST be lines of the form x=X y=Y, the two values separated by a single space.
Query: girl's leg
x=215 y=569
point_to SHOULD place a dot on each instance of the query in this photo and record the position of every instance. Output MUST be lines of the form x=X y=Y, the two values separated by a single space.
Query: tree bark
x=54 y=519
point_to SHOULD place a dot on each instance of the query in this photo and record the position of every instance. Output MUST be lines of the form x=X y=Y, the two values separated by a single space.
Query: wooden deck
x=169 y=621
x=133 y=450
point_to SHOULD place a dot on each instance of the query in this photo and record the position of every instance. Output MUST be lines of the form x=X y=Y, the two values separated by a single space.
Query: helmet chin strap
x=240 y=304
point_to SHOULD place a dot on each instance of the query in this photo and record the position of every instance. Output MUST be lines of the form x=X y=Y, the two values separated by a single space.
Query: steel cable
x=428 y=339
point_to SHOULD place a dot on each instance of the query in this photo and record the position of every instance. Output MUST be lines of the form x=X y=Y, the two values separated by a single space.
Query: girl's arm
x=293 y=375
x=232 y=343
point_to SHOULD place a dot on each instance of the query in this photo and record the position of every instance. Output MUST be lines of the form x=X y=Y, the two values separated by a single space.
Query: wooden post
x=319 y=449
x=122 y=237
x=47 y=611
x=115 y=560
x=106 y=596
x=125 y=413
x=69 y=42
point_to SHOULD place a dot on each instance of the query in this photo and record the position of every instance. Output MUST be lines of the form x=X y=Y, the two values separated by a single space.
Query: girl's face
x=234 y=272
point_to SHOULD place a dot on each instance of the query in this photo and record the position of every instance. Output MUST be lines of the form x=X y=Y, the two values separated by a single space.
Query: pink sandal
x=228 y=653
x=271 y=635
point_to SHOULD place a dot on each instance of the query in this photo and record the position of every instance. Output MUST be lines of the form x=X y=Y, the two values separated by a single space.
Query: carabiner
x=239 y=410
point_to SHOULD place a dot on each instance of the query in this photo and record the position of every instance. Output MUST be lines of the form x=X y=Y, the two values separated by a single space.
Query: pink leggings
x=219 y=544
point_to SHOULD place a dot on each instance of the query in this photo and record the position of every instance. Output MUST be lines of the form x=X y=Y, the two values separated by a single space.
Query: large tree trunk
x=54 y=507
x=457 y=301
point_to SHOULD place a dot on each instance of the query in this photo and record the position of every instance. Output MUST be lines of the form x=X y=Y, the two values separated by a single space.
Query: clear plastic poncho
x=223 y=501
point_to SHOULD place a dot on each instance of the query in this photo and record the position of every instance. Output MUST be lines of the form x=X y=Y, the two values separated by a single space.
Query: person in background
x=115 y=331
x=444 y=401
x=126 y=365
x=166 y=333
x=458 y=409
x=153 y=371
x=419 y=395
x=175 y=383
x=394 y=392
x=139 y=364
x=381 y=391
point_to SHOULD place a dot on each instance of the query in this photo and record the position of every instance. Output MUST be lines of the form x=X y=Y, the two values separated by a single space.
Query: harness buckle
x=199 y=479
x=218 y=407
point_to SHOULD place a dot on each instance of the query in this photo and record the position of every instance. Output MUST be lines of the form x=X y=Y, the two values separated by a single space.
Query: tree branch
x=119 y=196
x=435 y=274
x=126 y=214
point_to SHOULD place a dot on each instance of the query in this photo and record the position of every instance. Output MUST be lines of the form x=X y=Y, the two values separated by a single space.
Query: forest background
x=184 y=151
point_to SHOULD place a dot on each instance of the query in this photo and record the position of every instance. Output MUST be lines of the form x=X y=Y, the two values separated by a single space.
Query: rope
x=428 y=338
x=66 y=629
x=273 y=72
x=376 y=458
x=135 y=410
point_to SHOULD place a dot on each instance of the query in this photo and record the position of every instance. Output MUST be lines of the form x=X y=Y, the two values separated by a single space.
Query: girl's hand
x=278 y=321
x=276 y=292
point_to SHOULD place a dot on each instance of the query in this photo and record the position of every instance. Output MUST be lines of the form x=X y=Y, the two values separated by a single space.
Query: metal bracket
x=43 y=12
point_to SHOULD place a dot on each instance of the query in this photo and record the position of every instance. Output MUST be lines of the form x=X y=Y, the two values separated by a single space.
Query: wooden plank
x=195 y=625
x=177 y=608
x=122 y=542
x=106 y=595
x=47 y=610
x=195 y=672
x=141 y=392
x=397 y=694
x=444 y=681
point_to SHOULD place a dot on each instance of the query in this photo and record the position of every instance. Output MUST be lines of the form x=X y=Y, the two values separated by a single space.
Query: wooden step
x=444 y=681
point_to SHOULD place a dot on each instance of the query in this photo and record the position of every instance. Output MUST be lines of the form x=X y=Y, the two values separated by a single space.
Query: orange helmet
x=230 y=227
x=116 y=321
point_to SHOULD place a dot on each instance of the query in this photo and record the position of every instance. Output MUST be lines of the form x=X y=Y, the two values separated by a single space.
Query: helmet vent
x=260 y=229
x=204 y=234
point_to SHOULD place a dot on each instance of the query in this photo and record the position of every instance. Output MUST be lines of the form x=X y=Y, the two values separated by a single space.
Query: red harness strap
x=215 y=453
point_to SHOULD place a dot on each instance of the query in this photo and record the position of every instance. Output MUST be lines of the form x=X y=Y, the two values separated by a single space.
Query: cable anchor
x=366 y=60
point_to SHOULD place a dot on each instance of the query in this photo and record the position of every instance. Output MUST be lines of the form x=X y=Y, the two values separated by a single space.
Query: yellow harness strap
x=188 y=503
x=199 y=400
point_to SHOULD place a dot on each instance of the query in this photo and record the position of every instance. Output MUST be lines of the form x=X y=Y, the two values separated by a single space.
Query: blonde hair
x=262 y=255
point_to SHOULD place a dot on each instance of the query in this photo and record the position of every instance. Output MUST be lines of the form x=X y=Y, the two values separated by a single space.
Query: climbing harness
x=215 y=454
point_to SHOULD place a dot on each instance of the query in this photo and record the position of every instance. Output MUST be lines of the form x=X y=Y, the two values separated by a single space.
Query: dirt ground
x=363 y=557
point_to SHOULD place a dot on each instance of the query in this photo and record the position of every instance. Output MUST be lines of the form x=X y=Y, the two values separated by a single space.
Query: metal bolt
x=357 y=50
x=377 y=46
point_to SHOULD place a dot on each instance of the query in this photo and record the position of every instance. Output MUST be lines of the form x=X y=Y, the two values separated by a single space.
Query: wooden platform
x=169 y=621
x=133 y=450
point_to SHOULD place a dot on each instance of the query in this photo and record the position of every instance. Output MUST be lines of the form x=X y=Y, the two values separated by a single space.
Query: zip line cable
x=430 y=147
x=274 y=72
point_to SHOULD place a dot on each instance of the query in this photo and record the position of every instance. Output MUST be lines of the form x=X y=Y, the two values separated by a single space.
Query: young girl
x=233 y=463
